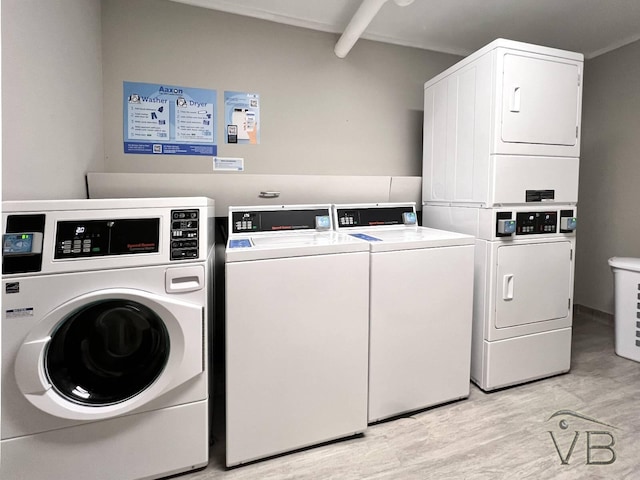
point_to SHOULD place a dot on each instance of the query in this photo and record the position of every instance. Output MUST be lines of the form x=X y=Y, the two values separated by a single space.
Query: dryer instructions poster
x=169 y=120
x=242 y=117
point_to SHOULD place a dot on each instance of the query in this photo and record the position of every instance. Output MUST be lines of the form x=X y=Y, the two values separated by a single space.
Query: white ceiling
x=592 y=27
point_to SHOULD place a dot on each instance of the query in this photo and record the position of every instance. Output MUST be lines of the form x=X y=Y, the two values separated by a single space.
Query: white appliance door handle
x=507 y=287
x=184 y=279
x=515 y=100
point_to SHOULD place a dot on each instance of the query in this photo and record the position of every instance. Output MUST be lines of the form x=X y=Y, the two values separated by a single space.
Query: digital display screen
x=17 y=243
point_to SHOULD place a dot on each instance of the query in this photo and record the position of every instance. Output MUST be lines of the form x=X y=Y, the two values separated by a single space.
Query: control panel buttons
x=536 y=223
x=244 y=225
x=185 y=234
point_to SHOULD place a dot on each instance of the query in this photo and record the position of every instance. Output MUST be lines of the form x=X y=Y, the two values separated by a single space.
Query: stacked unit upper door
x=538 y=104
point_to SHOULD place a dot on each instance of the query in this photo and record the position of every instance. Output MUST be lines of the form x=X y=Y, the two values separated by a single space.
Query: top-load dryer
x=420 y=307
x=105 y=321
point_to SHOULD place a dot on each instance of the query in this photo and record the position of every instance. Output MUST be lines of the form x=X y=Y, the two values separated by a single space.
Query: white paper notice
x=227 y=163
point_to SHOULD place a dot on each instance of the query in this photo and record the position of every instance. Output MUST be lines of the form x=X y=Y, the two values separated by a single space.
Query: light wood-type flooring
x=507 y=434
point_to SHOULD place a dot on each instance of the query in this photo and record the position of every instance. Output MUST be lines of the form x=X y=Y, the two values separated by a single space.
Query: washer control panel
x=184 y=234
x=375 y=216
x=279 y=219
x=98 y=238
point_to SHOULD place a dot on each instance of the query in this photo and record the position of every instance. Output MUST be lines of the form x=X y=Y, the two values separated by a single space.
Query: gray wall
x=320 y=114
x=609 y=196
x=51 y=97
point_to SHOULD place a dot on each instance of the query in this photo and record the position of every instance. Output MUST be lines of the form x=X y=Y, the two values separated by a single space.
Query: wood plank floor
x=504 y=434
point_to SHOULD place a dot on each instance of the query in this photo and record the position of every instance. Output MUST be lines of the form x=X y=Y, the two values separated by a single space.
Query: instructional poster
x=169 y=120
x=242 y=117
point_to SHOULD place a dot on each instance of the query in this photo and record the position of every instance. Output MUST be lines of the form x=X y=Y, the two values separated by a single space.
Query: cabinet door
x=533 y=283
x=539 y=100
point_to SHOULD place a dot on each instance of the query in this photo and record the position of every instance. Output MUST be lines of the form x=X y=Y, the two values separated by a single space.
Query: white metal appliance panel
x=296 y=352
x=513 y=175
x=435 y=135
x=420 y=320
x=533 y=283
x=521 y=359
x=152 y=444
x=539 y=100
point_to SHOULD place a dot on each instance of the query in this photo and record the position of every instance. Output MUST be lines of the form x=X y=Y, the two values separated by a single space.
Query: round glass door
x=107 y=352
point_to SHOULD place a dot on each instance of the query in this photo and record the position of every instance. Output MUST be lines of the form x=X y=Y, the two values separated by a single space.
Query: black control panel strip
x=369 y=217
x=185 y=234
x=96 y=238
x=251 y=221
x=536 y=223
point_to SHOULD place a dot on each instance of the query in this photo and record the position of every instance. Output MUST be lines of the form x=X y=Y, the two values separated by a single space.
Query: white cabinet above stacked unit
x=503 y=127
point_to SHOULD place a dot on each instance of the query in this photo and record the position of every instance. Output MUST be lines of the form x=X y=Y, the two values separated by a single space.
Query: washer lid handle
x=31 y=380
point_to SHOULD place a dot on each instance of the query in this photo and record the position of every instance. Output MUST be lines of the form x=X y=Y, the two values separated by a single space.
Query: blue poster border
x=203 y=103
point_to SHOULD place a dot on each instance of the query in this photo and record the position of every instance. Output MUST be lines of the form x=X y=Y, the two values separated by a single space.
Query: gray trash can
x=626 y=283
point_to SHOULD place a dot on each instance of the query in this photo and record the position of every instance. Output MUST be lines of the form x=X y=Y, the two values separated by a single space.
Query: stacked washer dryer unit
x=501 y=156
x=297 y=313
x=105 y=317
x=421 y=298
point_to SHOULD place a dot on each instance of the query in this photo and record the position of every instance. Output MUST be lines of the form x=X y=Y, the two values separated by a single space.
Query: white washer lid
x=625 y=263
x=387 y=239
x=290 y=244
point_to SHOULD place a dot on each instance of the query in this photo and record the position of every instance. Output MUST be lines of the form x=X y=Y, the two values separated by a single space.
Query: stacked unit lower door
x=522 y=311
x=103 y=375
x=296 y=352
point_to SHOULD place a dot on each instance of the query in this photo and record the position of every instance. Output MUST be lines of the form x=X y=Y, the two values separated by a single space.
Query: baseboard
x=593 y=314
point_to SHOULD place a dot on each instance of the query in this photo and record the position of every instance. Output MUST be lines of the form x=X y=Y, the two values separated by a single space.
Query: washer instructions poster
x=242 y=117
x=169 y=120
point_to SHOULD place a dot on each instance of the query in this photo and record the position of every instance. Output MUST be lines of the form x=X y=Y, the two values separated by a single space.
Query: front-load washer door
x=109 y=352
x=533 y=283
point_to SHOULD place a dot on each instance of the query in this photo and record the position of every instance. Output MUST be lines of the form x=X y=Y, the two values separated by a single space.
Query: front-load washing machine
x=421 y=302
x=297 y=299
x=105 y=318
x=523 y=293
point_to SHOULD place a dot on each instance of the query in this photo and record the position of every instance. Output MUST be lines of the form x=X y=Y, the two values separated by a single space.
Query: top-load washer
x=421 y=297
x=297 y=300
x=105 y=318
